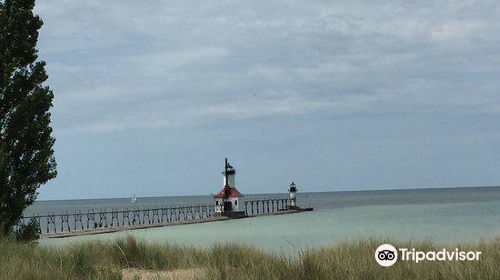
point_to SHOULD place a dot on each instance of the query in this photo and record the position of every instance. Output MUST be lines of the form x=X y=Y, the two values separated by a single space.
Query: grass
x=350 y=260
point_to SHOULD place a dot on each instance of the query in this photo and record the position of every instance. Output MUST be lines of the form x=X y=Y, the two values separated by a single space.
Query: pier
x=92 y=220
x=266 y=205
x=105 y=221
x=228 y=204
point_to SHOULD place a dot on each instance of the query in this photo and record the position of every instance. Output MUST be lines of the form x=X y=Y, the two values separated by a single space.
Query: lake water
x=442 y=215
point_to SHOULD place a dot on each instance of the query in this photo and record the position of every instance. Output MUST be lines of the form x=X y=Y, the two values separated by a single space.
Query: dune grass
x=349 y=260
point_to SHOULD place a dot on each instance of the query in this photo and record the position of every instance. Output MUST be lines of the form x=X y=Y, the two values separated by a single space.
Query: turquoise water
x=442 y=222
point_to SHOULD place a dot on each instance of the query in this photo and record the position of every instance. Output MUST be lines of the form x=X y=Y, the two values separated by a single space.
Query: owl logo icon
x=386 y=255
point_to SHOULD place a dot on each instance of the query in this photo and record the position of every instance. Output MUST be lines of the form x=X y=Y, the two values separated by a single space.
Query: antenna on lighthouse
x=225 y=171
x=227 y=187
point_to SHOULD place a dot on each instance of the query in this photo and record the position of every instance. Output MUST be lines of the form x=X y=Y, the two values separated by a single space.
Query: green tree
x=26 y=145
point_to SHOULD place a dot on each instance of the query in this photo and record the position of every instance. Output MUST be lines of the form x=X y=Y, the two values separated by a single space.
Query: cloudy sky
x=334 y=95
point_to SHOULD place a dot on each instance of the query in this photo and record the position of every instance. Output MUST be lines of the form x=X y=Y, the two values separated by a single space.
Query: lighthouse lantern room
x=227 y=201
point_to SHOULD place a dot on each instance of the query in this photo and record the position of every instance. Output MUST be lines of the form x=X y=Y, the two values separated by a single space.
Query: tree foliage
x=28 y=232
x=26 y=144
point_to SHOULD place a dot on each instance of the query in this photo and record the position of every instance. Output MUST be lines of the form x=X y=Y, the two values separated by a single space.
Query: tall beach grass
x=349 y=260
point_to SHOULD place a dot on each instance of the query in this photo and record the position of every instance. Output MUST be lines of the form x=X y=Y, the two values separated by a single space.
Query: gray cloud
x=135 y=66
x=290 y=53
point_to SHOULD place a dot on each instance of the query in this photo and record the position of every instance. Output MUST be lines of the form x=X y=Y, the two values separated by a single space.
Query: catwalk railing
x=266 y=205
x=91 y=219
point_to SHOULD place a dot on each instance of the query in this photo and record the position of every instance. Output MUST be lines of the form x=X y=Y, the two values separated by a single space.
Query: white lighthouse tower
x=227 y=201
x=293 y=195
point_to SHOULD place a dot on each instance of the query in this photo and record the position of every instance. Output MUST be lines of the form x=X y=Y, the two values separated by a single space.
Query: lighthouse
x=293 y=195
x=227 y=201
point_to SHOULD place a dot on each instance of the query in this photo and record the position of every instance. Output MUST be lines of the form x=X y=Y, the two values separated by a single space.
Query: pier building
x=227 y=201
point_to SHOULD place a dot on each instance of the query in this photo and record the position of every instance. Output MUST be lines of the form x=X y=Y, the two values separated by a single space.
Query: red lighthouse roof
x=233 y=192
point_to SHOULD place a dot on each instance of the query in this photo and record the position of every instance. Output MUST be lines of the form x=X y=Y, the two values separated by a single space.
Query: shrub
x=28 y=232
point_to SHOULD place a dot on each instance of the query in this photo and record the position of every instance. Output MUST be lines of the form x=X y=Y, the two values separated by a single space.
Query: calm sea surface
x=442 y=215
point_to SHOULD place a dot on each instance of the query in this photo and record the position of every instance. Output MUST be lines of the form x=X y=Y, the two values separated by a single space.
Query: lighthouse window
x=217 y=202
x=236 y=202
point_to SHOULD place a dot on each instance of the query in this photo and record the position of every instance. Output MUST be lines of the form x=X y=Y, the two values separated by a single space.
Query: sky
x=151 y=96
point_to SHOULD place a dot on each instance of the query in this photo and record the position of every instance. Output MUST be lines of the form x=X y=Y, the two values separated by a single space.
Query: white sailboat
x=133 y=199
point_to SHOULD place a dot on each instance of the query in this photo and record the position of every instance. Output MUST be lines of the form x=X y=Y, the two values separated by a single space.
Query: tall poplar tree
x=26 y=144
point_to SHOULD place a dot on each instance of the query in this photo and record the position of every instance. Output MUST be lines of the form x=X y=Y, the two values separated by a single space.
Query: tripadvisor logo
x=387 y=255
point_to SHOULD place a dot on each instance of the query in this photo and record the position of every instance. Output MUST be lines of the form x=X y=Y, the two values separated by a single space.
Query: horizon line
x=323 y=191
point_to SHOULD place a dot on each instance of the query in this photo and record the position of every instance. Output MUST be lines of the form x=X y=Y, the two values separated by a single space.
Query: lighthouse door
x=227 y=206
